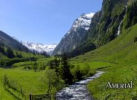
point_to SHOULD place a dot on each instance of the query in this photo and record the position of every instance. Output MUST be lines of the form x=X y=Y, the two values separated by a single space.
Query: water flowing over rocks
x=77 y=91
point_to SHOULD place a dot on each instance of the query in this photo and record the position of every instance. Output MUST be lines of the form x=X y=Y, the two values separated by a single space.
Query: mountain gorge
x=104 y=27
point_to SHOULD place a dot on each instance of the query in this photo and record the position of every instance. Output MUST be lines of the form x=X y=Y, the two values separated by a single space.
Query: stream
x=77 y=91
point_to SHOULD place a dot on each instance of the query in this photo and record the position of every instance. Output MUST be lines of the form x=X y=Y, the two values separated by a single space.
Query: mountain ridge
x=8 y=41
x=105 y=26
x=75 y=35
x=39 y=47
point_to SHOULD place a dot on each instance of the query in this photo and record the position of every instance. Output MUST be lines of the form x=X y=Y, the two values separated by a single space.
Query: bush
x=135 y=39
x=53 y=82
x=77 y=74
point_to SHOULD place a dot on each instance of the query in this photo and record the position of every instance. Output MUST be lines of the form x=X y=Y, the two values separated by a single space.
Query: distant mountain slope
x=40 y=47
x=75 y=35
x=11 y=42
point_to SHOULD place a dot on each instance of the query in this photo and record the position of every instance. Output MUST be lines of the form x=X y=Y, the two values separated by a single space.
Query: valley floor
x=118 y=59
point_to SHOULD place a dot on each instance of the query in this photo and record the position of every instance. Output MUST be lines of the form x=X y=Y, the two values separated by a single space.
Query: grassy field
x=118 y=59
x=24 y=81
x=29 y=81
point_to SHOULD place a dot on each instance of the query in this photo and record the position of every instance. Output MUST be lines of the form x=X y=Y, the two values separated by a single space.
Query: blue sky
x=42 y=21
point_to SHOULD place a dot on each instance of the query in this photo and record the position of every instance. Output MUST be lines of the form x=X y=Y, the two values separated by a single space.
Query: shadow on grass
x=13 y=94
x=134 y=98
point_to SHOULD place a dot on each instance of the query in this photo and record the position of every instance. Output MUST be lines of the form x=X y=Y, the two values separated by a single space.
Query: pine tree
x=10 y=53
x=35 y=67
x=65 y=70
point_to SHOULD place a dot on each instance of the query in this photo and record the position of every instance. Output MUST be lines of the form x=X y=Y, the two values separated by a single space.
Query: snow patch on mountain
x=39 y=47
x=75 y=35
x=83 y=21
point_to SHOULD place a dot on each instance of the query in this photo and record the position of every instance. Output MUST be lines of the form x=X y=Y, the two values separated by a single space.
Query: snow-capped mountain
x=40 y=47
x=75 y=35
x=82 y=22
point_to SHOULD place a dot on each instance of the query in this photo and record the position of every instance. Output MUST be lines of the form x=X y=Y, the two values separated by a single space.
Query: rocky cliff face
x=75 y=35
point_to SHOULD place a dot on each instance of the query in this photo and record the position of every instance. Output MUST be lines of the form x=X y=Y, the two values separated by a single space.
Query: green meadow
x=24 y=79
x=118 y=59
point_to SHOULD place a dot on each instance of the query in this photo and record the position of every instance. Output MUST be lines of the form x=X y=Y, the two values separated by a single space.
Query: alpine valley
x=99 y=48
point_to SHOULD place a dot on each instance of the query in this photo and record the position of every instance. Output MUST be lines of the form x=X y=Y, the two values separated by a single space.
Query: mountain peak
x=89 y=15
x=83 y=22
x=39 y=47
x=75 y=35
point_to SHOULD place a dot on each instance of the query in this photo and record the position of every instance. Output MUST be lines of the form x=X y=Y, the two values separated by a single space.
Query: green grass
x=29 y=81
x=41 y=62
x=123 y=74
x=118 y=59
x=26 y=80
